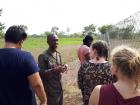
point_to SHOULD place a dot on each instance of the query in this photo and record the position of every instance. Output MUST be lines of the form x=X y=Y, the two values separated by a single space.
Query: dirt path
x=72 y=95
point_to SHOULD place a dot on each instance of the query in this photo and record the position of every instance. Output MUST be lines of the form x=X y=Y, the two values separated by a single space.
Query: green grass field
x=33 y=43
x=41 y=42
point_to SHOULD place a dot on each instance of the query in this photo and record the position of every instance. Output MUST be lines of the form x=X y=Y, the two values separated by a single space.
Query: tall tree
x=127 y=32
x=2 y=27
x=89 y=30
x=68 y=30
x=0 y=12
x=46 y=33
x=24 y=27
x=104 y=29
x=54 y=30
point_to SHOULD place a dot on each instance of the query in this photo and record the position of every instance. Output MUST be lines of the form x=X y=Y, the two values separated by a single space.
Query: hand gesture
x=65 y=68
x=59 y=68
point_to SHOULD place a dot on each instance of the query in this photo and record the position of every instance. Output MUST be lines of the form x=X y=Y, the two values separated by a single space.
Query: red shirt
x=110 y=96
x=81 y=52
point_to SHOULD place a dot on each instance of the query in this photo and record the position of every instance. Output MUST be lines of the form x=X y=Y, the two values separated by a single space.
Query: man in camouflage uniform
x=51 y=69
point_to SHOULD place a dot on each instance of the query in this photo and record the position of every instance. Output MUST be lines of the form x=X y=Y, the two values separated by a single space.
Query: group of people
x=101 y=82
x=108 y=83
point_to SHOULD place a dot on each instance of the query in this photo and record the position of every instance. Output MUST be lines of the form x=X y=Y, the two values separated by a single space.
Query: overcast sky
x=41 y=15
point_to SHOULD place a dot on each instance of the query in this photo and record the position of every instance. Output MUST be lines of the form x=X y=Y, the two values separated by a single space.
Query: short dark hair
x=87 y=38
x=15 y=34
x=101 y=48
x=49 y=35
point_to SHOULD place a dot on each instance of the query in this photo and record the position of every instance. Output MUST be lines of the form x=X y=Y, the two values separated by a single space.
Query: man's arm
x=41 y=62
x=87 y=53
x=87 y=56
x=37 y=86
x=80 y=78
x=43 y=66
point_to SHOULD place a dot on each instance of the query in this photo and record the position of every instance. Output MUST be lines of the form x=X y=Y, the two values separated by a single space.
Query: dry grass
x=72 y=95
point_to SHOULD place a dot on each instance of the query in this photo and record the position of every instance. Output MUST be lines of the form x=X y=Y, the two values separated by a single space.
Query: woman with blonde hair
x=126 y=67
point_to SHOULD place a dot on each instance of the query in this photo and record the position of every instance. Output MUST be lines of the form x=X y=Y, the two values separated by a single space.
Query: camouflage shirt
x=50 y=79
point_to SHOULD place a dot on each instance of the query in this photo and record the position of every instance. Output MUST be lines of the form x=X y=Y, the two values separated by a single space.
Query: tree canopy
x=104 y=28
x=89 y=30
